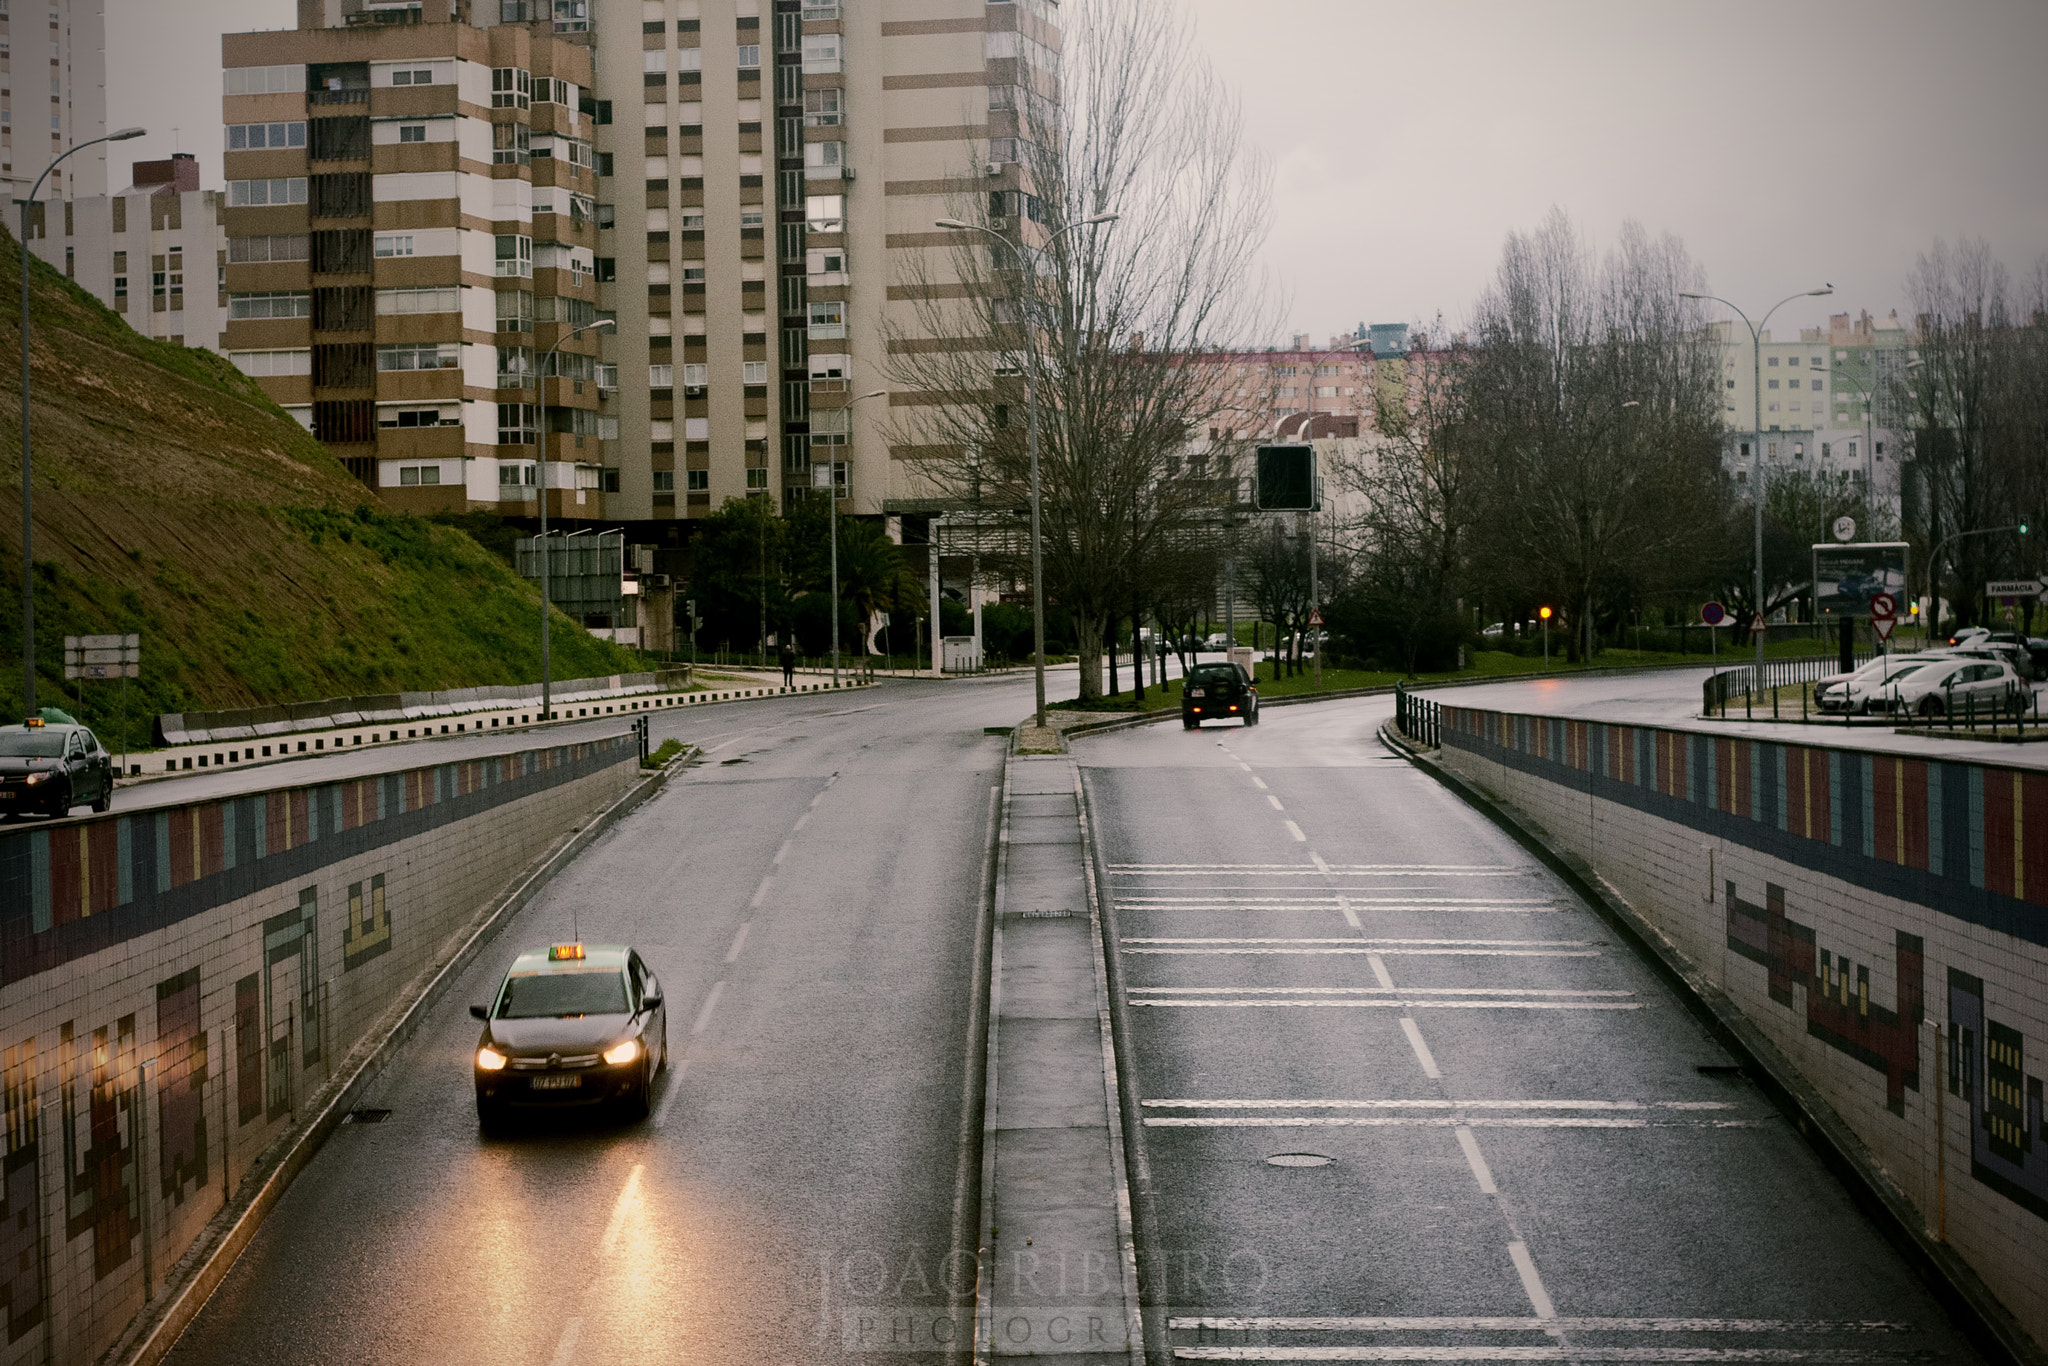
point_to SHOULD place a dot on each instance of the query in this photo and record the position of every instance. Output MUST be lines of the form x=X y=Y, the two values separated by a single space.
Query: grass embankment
x=175 y=501
x=1501 y=664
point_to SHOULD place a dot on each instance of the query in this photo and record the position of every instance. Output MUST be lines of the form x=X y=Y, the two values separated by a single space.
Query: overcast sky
x=1788 y=144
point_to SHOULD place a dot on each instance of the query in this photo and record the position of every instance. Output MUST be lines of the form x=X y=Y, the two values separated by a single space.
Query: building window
x=821 y=53
x=828 y=320
x=750 y=56
x=415 y=417
x=420 y=356
x=754 y=372
x=393 y=244
x=256 y=193
x=757 y=480
x=273 y=305
x=412 y=132
x=515 y=424
x=515 y=255
x=750 y=218
x=1772 y=362
x=1774 y=383
x=664 y=481
x=441 y=299
x=693 y=275
x=419 y=474
x=515 y=310
x=661 y=376
x=699 y=481
x=255 y=136
x=511 y=88
x=823 y=108
x=825 y=212
x=288 y=246
x=824 y=156
x=263 y=364
x=413 y=76
x=696 y=376
x=511 y=144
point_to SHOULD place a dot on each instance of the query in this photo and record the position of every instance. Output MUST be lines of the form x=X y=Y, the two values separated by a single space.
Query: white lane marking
x=1439 y=1122
x=1437 y=1104
x=1258 y=782
x=676 y=1072
x=1356 y=949
x=782 y=853
x=1525 y=1267
x=1331 y=903
x=1379 y=945
x=710 y=1004
x=1515 y=1325
x=1554 y=993
x=1379 y=970
x=565 y=1349
x=1311 y=899
x=1240 y=763
x=620 y=1210
x=1295 y=831
x=1275 y=801
x=1475 y=1159
x=801 y=822
x=1317 y=859
x=1350 y=916
x=739 y=941
x=761 y=892
x=1422 y=1053
x=1813 y=1356
x=1198 y=869
x=1405 y=1005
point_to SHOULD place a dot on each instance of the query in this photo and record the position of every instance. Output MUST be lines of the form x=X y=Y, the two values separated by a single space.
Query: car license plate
x=556 y=1083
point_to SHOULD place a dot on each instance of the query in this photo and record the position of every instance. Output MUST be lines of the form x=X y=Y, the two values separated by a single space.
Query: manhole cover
x=368 y=1116
x=1299 y=1160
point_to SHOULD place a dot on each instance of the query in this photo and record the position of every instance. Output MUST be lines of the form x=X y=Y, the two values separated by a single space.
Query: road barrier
x=1718 y=689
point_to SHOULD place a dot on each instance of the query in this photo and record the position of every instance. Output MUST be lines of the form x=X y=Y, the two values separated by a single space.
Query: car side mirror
x=480 y=1012
x=650 y=1003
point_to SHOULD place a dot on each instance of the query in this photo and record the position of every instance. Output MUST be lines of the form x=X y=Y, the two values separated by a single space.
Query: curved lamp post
x=1756 y=449
x=1308 y=435
x=1030 y=255
x=28 y=558
x=541 y=542
x=832 y=499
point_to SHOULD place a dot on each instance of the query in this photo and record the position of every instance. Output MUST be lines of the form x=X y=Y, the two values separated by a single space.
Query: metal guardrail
x=1719 y=689
x=1418 y=718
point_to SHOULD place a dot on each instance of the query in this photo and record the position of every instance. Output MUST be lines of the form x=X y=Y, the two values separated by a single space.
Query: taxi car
x=1218 y=692
x=571 y=1026
x=49 y=764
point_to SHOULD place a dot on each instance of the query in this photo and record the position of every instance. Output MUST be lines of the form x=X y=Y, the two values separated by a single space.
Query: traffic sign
x=2014 y=588
x=1845 y=529
x=1315 y=617
x=1713 y=614
x=1884 y=615
x=103 y=656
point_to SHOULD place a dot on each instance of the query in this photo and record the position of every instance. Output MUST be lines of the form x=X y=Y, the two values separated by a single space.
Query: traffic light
x=2023 y=528
x=1286 y=479
x=1543 y=612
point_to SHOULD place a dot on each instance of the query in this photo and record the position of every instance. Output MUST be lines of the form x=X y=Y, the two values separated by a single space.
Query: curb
x=150 y=1338
x=1978 y=1312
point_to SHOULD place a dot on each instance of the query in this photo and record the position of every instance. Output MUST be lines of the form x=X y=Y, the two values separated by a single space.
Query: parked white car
x=1850 y=691
x=1946 y=687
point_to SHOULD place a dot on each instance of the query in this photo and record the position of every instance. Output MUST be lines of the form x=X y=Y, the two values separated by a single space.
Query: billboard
x=1286 y=478
x=1847 y=577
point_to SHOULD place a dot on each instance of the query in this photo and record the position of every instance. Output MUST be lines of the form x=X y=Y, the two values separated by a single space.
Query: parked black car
x=1218 y=692
x=47 y=767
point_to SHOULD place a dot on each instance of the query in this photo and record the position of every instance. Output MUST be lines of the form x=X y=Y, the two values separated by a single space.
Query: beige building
x=53 y=95
x=156 y=253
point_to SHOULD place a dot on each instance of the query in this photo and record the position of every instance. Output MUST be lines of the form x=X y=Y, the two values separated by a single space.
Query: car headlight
x=621 y=1053
x=34 y=778
x=490 y=1059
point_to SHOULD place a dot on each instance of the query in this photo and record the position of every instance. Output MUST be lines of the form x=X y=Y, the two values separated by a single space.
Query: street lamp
x=28 y=557
x=1934 y=567
x=832 y=498
x=541 y=543
x=1756 y=465
x=1308 y=434
x=1544 y=612
x=1030 y=255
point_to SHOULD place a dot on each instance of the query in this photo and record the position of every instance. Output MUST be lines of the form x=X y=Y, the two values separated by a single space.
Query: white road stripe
x=1412 y=953
x=1438 y=1122
x=1350 y=916
x=1454 y=1323
x=1571 y=992
x=620 y=1210
x=1475 y=1159
x=565 y=1348
x=1191 y=869
x=1525 y=1267
x=1404 y=1005
x=1317 y=859
x=1258 y=782
x=1275 y=802
x=1379 y=970
x=1436 y=1104
x=782 y=853
x=739 y=941
x=1331 y=904
x=801 y=822
x=761 y=892
x=710 y=1004
x=1519 y=1353
x=1382 y=945
x=1422 y=1053
x=1332 y=899
x=676 y=1072
x=1295 y=831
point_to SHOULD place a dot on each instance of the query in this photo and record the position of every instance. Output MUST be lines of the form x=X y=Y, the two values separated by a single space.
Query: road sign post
x=1884 y=615
x=1713 y=614
x=106 y=657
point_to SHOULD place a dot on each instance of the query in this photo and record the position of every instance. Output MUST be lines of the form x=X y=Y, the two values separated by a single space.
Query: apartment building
x=156 y=253
x=1826 y=397
x=1261 y=390
x=411 y=232
x=53 y=95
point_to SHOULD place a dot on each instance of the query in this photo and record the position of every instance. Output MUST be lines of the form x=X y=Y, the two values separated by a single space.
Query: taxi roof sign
x=559 y=953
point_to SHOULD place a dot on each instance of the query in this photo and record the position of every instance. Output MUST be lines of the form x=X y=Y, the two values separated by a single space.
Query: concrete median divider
x=192 y=998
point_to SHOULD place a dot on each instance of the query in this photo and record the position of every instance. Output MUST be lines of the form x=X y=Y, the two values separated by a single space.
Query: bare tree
x=1104 y=317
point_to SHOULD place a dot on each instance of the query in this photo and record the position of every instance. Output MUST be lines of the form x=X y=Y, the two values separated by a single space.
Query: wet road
x=807 y=896
x=1405 y=1097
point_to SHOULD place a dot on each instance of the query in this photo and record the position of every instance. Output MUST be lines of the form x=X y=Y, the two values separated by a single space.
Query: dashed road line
x=1475 y=1159
x=620 y=1210
x=1422 y=1053
x=704 y=1014
x=1532 y=1283
x=739 y=941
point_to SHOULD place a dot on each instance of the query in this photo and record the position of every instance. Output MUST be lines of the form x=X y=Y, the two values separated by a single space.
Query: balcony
x=385 y=15
x=360 y=95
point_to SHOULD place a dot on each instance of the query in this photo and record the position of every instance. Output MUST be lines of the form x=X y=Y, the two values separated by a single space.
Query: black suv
x=1218 y=692
x=48 y=766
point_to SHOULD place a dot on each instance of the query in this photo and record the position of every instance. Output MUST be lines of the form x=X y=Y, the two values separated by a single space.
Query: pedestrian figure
x=788 y=665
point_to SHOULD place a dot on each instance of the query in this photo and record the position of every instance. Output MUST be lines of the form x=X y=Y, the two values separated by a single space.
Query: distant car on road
x=1218 y=692
x=48 y=766
x=572 y=1026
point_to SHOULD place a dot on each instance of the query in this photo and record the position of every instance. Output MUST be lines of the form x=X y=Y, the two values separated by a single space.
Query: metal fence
x=1418 y=718
x=1718 y=691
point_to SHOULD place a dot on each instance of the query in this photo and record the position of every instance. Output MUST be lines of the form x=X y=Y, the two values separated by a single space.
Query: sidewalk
x=1672 y=700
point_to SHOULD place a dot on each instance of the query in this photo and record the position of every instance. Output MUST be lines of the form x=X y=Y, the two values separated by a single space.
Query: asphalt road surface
x=807 y=897
x=1405 y=1097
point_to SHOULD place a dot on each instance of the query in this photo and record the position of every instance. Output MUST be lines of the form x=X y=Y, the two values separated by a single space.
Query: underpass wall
x=1882 y=919
x=175 y=983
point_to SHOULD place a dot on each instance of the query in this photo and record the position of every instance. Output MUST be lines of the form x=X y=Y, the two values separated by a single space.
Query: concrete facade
x=1883 y=920
x=178 y=982
x=67 y=39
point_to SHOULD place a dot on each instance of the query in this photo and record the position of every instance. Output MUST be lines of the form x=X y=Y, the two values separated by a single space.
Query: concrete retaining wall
x=1883 y=920
x=174 y=984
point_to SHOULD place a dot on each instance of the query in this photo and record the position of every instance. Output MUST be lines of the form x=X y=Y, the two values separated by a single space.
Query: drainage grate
x=1042 y=915
x=367 y=1116
x=997 y=730
x=1299 y=1160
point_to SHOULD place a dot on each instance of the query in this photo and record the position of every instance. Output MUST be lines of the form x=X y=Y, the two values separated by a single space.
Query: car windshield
x=578 y=991
x=31 y=744
x=1896 y=674
x=1212 y=674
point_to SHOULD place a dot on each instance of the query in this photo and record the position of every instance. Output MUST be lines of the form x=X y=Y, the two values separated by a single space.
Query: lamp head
x=1102 y=218
x=1824 y=289
x=125 y=134
x=1693 y=294
x=876 y=394
x=953 y=223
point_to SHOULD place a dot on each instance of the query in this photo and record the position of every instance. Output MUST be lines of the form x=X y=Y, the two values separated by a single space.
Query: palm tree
x=874 y=575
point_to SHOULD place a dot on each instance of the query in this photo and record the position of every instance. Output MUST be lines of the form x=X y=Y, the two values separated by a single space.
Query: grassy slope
x=175 y=500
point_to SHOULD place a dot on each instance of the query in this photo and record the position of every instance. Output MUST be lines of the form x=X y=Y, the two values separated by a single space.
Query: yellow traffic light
x=1543 y=612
